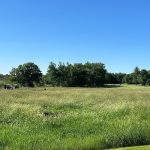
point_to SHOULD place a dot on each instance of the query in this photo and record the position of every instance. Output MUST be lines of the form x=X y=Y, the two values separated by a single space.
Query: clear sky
x=114 y=32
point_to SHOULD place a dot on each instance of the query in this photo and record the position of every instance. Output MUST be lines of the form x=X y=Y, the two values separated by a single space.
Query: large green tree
x=27 y=74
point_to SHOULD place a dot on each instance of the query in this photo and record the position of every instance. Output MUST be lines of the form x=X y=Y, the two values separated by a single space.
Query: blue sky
x=114 y=32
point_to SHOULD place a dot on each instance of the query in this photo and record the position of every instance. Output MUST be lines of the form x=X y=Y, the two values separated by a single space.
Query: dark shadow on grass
x=112 y=86
x=101 y=86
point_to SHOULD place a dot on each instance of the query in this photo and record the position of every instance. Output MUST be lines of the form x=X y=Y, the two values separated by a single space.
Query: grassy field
x=74 y=118
x=135 y=148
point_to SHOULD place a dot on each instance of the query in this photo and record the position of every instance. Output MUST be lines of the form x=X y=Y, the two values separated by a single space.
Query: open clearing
x=74 y=118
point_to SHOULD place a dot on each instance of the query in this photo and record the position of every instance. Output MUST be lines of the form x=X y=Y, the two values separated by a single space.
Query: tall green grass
x=84 y=118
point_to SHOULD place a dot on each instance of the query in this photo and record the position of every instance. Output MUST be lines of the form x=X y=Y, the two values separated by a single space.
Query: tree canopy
x=83 y=75
x=27 y=74
x=138 y=77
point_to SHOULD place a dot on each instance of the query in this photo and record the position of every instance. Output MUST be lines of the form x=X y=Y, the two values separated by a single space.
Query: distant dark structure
x=9 y=87
x=49 y=114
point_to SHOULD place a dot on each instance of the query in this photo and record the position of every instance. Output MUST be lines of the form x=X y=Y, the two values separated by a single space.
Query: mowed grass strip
x=74 y=118
x=134 y=148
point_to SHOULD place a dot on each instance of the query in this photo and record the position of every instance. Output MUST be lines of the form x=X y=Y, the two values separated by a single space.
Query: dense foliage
x=138 y=77
x=73 y=75
x=115 y=78
x=82 y=75
x=27 y=74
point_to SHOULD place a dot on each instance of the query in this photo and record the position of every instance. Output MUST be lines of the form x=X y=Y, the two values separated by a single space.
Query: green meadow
x=74 y=118
x=135 y=148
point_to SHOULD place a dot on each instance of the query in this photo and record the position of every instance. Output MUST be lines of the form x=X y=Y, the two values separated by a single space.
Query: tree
x=95 y=74
x=78 y=75
x=143 y=77
x=27 y=74
x=135 y=75
x=148 y=78
x=4 y=77
x=115 y=78
x=128 y=79
x=52 y=74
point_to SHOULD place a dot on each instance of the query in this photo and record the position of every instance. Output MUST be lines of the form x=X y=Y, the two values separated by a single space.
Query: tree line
x=138 y=76
x=76 y=75
x=73 y=75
